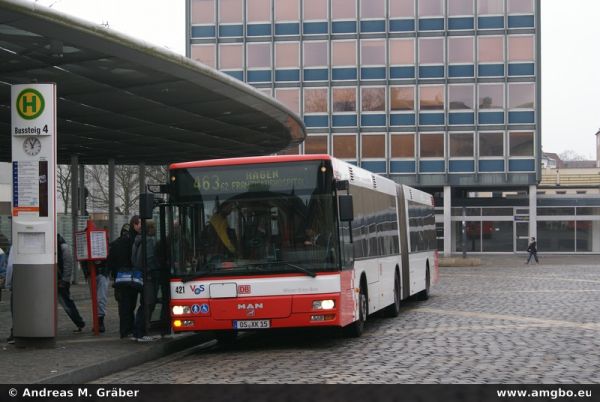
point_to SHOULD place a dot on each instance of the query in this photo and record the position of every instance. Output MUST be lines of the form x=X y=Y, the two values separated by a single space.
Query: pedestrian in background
x=65 y=270
x=102 y=281
x=532 y=250
x=8 y=285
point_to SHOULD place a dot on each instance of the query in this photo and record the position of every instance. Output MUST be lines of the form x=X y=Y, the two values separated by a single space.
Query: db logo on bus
x=244 y=289
x=197 y=289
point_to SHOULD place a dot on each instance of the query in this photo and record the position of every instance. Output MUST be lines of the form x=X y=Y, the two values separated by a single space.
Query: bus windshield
x=253 y=219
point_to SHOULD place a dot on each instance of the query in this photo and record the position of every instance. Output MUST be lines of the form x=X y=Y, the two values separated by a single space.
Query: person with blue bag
x=127 y=284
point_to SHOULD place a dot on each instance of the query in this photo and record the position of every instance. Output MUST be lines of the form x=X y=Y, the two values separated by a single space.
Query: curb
x=135 y=358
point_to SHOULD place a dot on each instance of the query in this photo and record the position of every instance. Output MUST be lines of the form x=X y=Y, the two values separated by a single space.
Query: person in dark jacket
x=532 y=249
x=148 y=298
x=65 y=269
x=119 y=260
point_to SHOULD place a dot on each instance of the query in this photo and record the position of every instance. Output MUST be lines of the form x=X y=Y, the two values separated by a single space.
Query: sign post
x=33 y=141
x=92 y=245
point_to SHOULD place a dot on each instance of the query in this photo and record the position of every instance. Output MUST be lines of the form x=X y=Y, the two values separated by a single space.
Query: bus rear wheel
x=394 y=309
x=357 y=328
x=424 y=294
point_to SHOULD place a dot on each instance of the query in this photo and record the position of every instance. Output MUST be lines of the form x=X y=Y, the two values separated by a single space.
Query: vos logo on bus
x=244 y=289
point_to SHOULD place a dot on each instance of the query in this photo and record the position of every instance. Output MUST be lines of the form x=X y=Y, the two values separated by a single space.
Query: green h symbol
x=29 y=104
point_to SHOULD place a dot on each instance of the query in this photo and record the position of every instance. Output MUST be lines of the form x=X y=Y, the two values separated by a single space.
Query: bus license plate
x=252 y=324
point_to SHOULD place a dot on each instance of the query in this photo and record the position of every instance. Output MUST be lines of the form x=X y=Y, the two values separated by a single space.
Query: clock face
x=32 y=146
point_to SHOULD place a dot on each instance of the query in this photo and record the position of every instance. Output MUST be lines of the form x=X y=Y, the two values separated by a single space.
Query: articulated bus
x=293 y=241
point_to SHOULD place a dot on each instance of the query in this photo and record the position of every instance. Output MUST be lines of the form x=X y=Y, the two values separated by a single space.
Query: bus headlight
x=323 y=304
x=179 y=310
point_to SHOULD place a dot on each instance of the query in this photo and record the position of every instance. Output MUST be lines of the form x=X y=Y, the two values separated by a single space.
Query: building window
x=344 y=146
x=431 y=8
x=205 y=54
x=315 y=100
x=490 y=7
x=491 y=144
x=402 y=8
x=343 y=53
x=461 y=145
x=203 y=11
x=402 y=52
x=259 y=55
x=461 y=50
x=287 y=54
x=458 y=8
x=231 y=56
x=431 y=145
x=231 y=12
x=431 y=97
x=520 y=6
x=402 y=145
x=315 y=54
x=491 y=49
x=315 y=144
x=344 y=99
x=372 y=52
x=289 y=97
x=491 y=96
x=521 y=95
x=372 y=9
x=373 y=146
x=521 y=48
x=373 y=99
x=402 y=98
x=461 y=97
x=315 y=10
x=266 y=91
x=287 y=10
x=258 y=11
x=343 y=9
x=521 y=143
x=431 y=50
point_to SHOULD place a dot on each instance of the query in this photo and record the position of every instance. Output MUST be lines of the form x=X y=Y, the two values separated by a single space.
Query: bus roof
x=250 y=160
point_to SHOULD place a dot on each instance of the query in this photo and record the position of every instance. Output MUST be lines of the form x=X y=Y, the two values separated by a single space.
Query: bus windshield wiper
x=299 y=268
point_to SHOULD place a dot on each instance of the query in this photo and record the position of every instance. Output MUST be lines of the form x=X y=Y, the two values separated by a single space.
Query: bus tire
x=226 y=337
x=424 y=294
x=394 y=309
x=357 y=328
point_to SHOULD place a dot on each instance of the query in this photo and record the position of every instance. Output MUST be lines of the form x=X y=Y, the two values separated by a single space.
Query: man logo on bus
x=30 y=104
x=250 y=308
x=197 y=289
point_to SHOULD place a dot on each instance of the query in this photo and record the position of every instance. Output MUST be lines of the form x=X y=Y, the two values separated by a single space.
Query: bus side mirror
x=346 y=208
x=146 y=205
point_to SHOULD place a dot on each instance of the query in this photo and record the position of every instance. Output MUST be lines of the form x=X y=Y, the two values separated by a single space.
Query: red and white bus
x=293 y=241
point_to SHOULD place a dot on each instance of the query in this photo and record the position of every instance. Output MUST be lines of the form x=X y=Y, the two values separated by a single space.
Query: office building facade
x=443 y=95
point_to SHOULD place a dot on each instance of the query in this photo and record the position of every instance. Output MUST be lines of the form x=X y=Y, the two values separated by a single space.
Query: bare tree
x=63 y=176
x=571 y=155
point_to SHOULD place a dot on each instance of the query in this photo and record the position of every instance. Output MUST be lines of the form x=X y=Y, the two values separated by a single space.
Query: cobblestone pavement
x=498 y=323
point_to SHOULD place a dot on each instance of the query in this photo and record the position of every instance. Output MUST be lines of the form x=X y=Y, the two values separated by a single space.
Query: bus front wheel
x=358 y=327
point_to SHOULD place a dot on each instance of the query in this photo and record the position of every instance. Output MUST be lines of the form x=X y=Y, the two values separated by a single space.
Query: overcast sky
x=570 y=57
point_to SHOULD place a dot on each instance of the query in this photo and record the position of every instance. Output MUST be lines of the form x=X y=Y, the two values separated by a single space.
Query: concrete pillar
x=74 y=208
x=447 y=221
x=533 y=211
x=142 y=175
x=111 y=200
x=82 y=190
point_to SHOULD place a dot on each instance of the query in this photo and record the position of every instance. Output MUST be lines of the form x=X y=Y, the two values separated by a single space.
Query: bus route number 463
x=252 y=324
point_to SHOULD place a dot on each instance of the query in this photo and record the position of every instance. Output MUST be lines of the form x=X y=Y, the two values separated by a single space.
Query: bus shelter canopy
x=131 y=101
